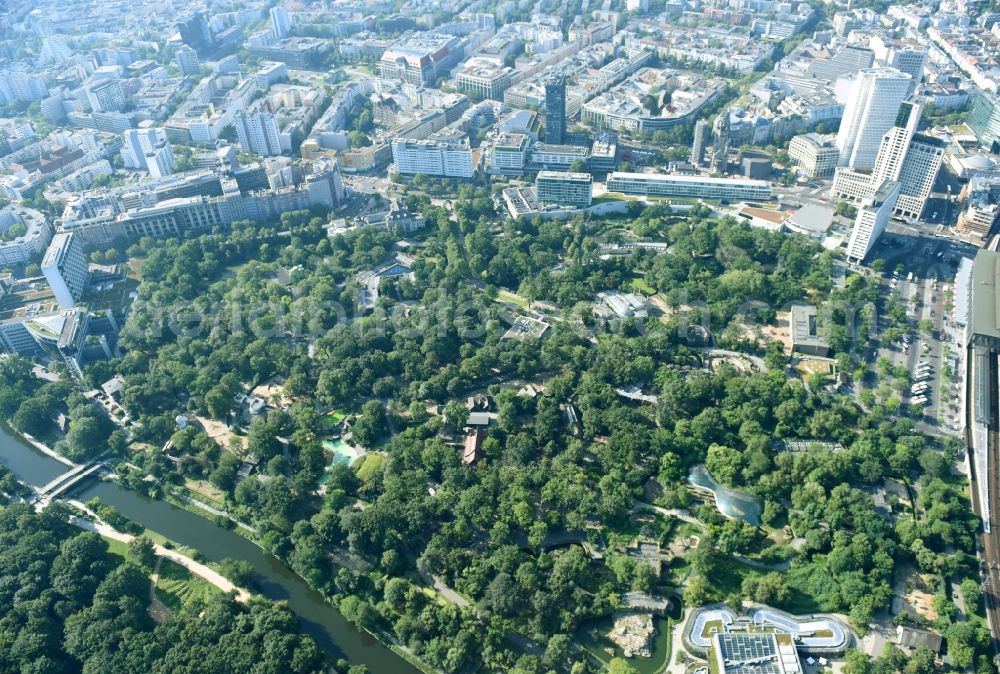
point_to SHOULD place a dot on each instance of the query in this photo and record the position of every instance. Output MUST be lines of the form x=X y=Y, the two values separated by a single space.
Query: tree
x=771 y=588
x=142 y=553
x=372 y=426
x=620 y=666
x=456 y=415
x=239 y=571
x=972 y=594
x=502 y=596
x=86 y=437
x=224 y=475
x=359 y=139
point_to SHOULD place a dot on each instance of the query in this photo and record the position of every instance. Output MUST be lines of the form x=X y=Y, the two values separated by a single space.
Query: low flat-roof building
x=699 y=187
x=520 y=201
x=548 y=156
x=811 y=220
x=805 y=332
x=914 y=639
x=755 y=653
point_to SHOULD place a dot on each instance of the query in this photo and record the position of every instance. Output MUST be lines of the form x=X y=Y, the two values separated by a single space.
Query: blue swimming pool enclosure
x=731 y=503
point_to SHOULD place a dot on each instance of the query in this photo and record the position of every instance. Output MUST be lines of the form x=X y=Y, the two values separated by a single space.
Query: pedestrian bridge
x=62 y=484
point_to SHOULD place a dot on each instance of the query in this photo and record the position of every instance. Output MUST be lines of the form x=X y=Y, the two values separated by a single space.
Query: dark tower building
x=555 y=111
x=195 y=32
x=701 y=133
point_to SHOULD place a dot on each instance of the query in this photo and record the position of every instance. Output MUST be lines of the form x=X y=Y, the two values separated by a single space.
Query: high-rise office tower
x=187 y=60
x=904 y=156
x=873 y=216
x=920 y=169
x=281 y=22
x=895 y=143
x=701 y=132
x=65 y=268
x=195 y=32
x=871 y=110
x=555 y=110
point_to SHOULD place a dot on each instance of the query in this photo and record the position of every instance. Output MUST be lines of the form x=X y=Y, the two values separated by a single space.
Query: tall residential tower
x=65 y=268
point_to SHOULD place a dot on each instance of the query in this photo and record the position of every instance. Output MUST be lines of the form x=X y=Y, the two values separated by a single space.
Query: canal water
x=274 y=580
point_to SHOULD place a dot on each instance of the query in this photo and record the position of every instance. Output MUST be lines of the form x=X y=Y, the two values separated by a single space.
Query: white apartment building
x=873 y=216
x=84 y=177
x=281 y=22
x=452 y=158
x=19 y=86
x=137 y=142
x=147 y=148
x=160 y=160
x=65 y=268
x=107 y=96
x=257 y=131
x=870 y=111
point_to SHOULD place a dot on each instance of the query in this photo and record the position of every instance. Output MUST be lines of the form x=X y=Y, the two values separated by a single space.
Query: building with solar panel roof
x=755 y=653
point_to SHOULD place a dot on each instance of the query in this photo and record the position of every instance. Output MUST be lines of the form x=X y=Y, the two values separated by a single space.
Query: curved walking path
x=682 y=515
x=197 y=568
x=783 y=565
x=756 y=360
x=157 y=610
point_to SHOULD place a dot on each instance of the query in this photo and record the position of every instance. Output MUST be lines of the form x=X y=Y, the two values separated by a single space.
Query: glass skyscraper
x=555 y=111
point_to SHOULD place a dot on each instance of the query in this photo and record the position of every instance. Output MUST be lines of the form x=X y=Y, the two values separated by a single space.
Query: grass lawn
x=116 y=548
x=612 y=196
x=643 y=286
x=713 y=666
x=504 y=296
x=177 y=586
x=204 y=491
x=710 y=628
x=371 y=466
x=331 y=420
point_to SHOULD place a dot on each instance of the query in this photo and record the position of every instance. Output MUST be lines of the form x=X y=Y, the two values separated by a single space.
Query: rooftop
x=756 y=653
x=984 y=312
